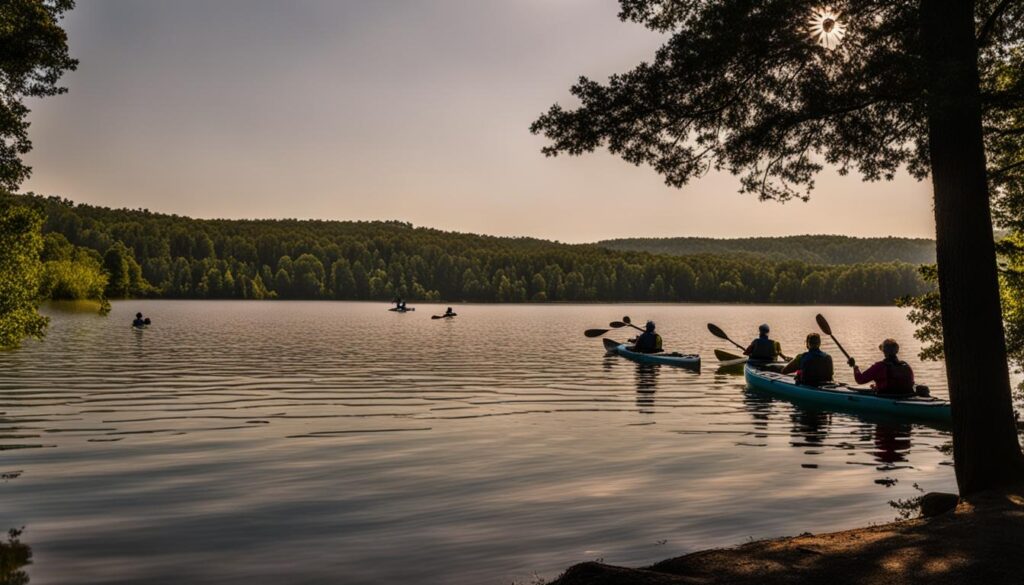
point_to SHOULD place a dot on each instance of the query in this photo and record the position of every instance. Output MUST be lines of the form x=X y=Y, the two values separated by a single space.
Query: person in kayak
x=449 y=312
x=889 y=376
x=812 y=367
x=763 y=348
x=139 y=321
x=648 y=341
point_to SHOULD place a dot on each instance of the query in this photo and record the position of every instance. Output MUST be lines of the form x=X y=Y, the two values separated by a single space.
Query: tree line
x=814 y=249
x=157 y=255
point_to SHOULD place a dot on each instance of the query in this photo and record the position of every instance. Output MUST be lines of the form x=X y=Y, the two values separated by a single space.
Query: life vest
x=648 y=343
x=899 y=378
x=763 y=349
x=815 y=367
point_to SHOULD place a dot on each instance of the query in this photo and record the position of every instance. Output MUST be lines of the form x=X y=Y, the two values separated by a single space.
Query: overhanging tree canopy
x=741 y=86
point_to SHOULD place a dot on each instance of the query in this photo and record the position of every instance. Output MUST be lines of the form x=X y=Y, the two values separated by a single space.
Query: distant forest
x=810 y=249
x=169 y=256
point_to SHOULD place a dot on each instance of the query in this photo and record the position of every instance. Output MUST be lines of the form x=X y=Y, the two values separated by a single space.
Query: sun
x=826 y=28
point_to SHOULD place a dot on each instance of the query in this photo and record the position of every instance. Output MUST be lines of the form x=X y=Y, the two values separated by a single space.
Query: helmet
x=649 y=326
x=763 y=328
x=138 y=315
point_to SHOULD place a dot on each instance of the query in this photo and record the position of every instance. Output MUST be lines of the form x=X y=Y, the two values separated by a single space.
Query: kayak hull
x=843 y=398
x=402 y=310
x=690 y=361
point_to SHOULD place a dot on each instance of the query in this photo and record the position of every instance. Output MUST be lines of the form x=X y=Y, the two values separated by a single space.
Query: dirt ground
x=981 y=542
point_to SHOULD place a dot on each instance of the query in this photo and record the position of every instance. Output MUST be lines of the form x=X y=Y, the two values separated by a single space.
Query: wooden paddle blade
x=726 y=356
x=823 y=324
x=588 y=332
x=617 y=324
x=717 y=331
x=626 y=320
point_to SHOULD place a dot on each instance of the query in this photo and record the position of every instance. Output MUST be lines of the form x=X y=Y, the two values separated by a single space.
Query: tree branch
x=986 y=30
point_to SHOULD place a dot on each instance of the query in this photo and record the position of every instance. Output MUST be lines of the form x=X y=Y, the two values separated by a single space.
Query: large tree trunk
x=985 y=448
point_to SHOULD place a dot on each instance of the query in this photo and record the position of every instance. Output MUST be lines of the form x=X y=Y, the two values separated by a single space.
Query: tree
x=21 y=241
x=115 y=262
x=34 y=56
x=740 y=86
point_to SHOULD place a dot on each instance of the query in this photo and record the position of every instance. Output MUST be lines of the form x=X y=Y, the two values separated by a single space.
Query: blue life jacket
x=815 y=367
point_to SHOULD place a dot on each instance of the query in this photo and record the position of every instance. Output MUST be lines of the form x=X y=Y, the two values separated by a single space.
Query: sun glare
x=825 y=28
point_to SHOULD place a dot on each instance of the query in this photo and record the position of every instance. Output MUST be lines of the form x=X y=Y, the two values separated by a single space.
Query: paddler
x=648 y=341
x=139 y=322
x=449 y=312
x=763 y=348
x=889 y=376
x=813 y=367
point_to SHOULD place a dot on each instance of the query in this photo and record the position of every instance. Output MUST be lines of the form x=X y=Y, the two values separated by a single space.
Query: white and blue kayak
x=691 y=361
x=845 y=398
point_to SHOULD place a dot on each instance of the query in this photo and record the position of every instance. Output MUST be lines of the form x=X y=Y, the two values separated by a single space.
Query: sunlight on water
x=321 y=442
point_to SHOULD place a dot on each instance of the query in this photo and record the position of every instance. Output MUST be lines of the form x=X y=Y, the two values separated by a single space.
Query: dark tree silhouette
x=33 y=56
x=741 y=86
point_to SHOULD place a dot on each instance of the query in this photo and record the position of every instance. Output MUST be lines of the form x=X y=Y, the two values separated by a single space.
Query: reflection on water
x=319 y=442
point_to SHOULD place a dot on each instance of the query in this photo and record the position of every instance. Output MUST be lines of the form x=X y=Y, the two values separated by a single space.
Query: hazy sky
x=386 y=109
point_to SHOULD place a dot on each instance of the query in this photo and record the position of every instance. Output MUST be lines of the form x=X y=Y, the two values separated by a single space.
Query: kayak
x=691 y=361
x=444 y=316
x=397 y=310
x=845 y=398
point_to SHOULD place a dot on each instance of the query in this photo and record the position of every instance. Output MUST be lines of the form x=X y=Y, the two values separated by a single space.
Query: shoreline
x=981 y=541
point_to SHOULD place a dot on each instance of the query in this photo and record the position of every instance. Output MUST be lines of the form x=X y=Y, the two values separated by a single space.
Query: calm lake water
x=329 y=442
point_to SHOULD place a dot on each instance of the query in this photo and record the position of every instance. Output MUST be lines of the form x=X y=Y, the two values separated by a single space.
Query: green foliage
x=809 y=249
x=292 y=259
x=34 y=56
x=926 y=313
x=14 y=557
x=21 y=271
x=740 y=86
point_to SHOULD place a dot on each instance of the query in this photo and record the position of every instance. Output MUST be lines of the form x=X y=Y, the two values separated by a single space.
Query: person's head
x=138 y=315
x=449 y=309
x=649 y=327
x=890 y=348
x=763 y=329
x=813 y=341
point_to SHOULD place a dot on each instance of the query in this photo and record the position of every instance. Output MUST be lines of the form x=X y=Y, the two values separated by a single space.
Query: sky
x=386 y=109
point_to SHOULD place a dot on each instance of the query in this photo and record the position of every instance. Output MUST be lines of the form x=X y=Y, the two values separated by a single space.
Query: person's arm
x=750 y=349
x=831 y=369
x=871 y=375
x=778 y=351
x=792 y=366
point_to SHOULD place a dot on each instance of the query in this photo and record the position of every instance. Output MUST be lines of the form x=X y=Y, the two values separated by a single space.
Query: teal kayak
x=691 y=361
x=845 y=398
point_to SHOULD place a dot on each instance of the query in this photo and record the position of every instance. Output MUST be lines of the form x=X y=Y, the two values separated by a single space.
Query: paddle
x=828 y=331
x=725 y=356
x=595 y=332
x=717 y=332
x=627 y=321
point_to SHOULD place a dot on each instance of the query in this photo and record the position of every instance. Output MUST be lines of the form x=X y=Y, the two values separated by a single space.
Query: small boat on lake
x=691 y=361
x=846 y=398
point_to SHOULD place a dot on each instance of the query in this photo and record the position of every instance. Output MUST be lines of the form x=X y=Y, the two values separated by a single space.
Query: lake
x=337 y=442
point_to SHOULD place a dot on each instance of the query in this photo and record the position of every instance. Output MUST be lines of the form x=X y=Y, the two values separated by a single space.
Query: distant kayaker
x=449 y=312
x=648 y=341
x=812 y=367
x=763 y=348
x=139 y=321
x=889 y=376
